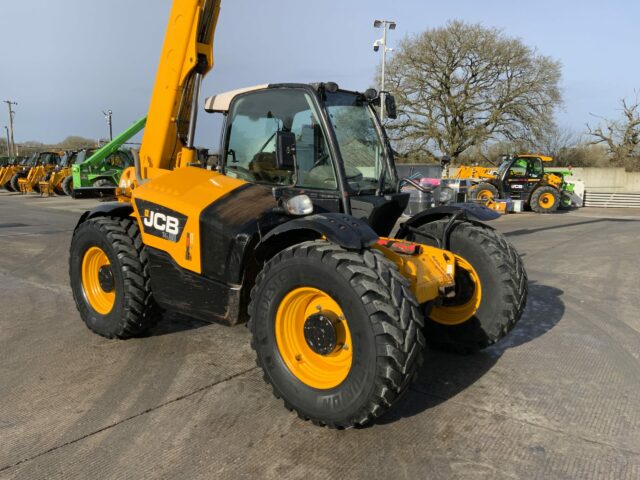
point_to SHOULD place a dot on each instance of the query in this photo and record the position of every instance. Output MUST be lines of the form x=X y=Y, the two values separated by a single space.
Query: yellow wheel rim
x=485 y=195
x=100 y=300
x=547 y=200
x=457 y=314
x=312 y=369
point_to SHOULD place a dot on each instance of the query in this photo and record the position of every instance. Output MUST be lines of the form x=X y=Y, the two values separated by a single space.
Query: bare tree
x=621 y=137
x=462 y=85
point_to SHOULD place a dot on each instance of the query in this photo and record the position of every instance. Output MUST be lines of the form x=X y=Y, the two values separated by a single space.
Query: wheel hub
x=320 y=332
x=105 y=277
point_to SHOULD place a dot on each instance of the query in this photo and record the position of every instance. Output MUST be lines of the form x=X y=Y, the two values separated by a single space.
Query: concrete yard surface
x=558 y=398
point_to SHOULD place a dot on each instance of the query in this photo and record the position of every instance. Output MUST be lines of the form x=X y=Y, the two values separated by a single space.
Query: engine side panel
x=231 y=228
x=168 y=211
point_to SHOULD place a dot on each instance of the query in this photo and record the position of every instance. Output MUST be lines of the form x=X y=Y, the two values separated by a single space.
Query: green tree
x=76 y=143
x=462 y=85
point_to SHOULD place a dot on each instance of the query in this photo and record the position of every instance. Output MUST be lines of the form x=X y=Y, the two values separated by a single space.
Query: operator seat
x=265 y=169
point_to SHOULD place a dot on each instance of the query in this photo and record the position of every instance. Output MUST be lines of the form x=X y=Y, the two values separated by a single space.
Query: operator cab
x=315 y=140
x=520 y=174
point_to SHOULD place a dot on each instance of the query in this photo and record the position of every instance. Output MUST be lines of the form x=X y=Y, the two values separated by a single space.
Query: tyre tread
x=395 y=319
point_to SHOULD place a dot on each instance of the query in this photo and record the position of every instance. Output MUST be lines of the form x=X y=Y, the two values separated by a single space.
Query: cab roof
x=533 y=155
x=220 y=103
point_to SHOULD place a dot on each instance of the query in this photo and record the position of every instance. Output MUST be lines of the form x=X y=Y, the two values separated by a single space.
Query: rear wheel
x=491 y=288
x=484 y=191
x=544 y=199
x=337 y=333
x=565 y=201
x=14 y=183
x=67 y=185
x=104 y=182
x=7 y=186
x=109 y=275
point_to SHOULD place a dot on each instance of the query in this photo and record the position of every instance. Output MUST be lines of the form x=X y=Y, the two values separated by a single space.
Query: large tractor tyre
x=14 y=183
x=104 y=182
x=337 y=333
x=491 y=288
x=545 y=199
x=7 y=186
x=67 y=186
x=565 y=201
x=108 y=267
x=483 y=191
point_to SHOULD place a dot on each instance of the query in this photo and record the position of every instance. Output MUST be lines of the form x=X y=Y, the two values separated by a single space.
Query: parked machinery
x=520 y=177
x=97 y=172
x=54 y=181
x=291 y=234
x=11 y=174
x=28 y=179
x=13 y=166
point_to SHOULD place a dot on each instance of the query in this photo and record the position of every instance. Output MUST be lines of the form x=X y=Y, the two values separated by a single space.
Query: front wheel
x=8 y=186
x=108 y=268
x=67 y=185
x=14 y=183
x=483 y=191
x=545 y=199
x=491 y=288
x=103 y=182
x=336 y=332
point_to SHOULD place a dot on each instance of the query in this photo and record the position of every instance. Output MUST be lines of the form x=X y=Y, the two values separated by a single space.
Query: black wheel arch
x=343 y=230
x=107 y=209
x=463 y=211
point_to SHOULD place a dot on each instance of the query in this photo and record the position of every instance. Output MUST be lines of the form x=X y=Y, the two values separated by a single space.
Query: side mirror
x=390 y=106
x=285 y=150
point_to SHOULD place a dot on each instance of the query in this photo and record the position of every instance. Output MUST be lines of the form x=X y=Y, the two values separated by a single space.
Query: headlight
x=299 y=205
x=446 y=195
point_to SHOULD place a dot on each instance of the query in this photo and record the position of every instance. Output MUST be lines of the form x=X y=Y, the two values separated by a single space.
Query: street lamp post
x=12 y=149
x=107 y=115
x=8 y=141
x=385 y=25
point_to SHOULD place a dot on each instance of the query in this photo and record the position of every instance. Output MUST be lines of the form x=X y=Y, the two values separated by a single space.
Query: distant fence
x=612 y=200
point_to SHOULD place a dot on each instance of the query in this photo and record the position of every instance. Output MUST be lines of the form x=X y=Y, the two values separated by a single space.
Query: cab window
x=115 y=160
x=535 y=167
x=254 y=122
x=518 y=168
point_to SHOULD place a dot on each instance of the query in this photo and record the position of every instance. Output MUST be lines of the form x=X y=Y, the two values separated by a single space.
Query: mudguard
x=348 y=232
x=115 y=209
x=469 y=210
x=466 y=211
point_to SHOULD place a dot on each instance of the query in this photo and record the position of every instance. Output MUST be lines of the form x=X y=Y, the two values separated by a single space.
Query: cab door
x=516 y=182
x=249 y=154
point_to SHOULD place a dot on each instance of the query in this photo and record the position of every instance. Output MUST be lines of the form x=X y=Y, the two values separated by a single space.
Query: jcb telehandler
x=53 y=182
x=520 y=177
x=29 y=180
x=14 y=166
x=10 y=178
x=291 y=235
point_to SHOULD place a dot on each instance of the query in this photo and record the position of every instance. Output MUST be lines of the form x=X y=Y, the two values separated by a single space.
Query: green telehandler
x=97 y=173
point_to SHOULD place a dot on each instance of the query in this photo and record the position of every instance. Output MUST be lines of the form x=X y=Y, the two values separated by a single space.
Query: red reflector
x=400 y=247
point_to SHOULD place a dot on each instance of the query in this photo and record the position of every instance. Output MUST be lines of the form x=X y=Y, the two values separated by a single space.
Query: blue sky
x=64 y=61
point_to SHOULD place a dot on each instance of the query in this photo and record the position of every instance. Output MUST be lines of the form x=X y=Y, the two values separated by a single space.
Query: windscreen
x=362 y=149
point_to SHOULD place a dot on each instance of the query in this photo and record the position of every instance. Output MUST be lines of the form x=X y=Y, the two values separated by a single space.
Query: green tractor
x=96 y=173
